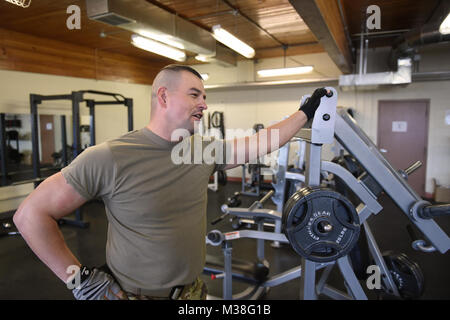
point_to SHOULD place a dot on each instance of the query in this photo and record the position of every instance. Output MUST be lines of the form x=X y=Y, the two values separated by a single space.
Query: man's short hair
x=180 y=67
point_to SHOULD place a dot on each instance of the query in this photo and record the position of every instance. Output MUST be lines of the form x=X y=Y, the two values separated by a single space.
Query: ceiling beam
x=291 y=50
x=324 y=20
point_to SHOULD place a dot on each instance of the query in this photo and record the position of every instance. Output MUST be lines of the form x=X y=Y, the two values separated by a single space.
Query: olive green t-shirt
x=156 y=208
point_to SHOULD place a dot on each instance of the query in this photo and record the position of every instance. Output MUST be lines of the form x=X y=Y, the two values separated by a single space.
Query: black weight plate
x=406 y=274
x=309 y=207
x=417 y=274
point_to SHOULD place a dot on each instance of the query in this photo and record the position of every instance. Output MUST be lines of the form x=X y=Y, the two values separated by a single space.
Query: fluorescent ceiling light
x=203 y=58
x=20 y=3
x=164 y=38
x=158 y=48
x=205 y=76
x=284 y=71
x=445 y=25
x=232 y=42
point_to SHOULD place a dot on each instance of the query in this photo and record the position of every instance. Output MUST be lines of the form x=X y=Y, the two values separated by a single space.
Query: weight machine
x=323 y=226
x=76 y=97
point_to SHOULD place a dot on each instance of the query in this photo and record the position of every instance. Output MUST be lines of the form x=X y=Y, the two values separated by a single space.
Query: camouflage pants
x=195 y=291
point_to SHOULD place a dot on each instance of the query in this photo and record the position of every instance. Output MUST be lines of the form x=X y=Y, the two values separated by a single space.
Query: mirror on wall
x=18 y=150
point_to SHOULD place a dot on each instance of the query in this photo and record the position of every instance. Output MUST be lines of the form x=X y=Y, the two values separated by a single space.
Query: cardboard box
x=441 y=193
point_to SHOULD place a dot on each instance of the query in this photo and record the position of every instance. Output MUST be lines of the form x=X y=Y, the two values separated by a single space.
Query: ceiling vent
x=113 y=19
x=143 y=18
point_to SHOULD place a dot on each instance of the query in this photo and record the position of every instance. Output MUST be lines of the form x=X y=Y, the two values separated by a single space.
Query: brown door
x=403 y=135
x=47 y=138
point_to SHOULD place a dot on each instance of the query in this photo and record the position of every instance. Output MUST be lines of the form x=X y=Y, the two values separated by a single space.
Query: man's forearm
x=286 y=128
x=42 y=234
x=265 y=141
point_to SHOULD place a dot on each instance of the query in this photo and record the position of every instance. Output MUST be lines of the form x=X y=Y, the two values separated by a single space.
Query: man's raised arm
x=265 y=141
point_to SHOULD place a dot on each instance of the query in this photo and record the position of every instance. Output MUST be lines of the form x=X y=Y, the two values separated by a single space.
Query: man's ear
x=162 y=96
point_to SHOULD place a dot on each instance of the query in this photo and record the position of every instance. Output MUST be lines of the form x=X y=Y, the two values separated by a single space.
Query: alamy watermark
x=373 y=21
x=241 y=146
x=74 y=20
x=74 y=280
x=374 y=280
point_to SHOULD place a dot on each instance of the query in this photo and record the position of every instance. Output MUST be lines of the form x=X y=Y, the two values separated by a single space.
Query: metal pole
x=361 y=51
x=34 y=100
x=313 y=165
x=308 y=280
x=91 y=105
x=64 y=140
x=129 y=104
x=76 y=98
x=228 y=271
x=366 y=49
x=3 y=163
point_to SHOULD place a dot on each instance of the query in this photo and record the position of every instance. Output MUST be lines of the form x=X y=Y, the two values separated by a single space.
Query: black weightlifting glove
x=96 y=284
x=312 y=103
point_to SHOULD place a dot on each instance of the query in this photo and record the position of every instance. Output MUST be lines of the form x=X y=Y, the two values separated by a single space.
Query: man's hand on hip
x=98 y=285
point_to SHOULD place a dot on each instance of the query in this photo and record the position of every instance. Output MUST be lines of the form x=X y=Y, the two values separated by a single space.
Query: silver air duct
x=142 y=18
x=401 y=76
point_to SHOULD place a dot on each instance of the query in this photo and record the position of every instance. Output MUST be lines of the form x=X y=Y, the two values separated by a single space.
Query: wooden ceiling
x=397 y=18
x=273 y=27
x=263 y=24
x=47 y=19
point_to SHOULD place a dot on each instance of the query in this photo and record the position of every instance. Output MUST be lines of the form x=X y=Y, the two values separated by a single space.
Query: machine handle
x=405 y=173
x=416 y=165
x=219 y=218
x=259 y=203
x=418 y=244
x=267 y=196
x=429 y=212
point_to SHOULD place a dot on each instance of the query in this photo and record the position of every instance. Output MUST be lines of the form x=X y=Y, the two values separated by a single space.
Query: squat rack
x=76 y=97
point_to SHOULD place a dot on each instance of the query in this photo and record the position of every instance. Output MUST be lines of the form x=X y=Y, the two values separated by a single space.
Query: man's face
x=186 y=102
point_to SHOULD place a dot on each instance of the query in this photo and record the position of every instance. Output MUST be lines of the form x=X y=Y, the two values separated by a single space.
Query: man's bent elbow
x=19 y=218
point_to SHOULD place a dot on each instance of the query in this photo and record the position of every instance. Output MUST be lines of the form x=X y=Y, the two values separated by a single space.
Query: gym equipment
x=216 y=120
x=3 y=162
x=14 y=155
x=406 y=274
x=76 y=97
x=234 y=200
x=287 y=180
x=253 y=273
x=256 y=184
x=7 y=228
x=321 y=225
x=378 y=176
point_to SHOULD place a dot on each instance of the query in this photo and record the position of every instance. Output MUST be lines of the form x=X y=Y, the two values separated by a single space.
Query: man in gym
x=156 y=209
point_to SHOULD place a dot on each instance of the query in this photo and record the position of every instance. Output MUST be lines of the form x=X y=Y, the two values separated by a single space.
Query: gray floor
x=23 y=276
